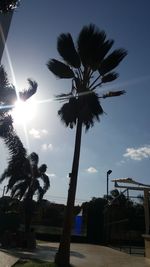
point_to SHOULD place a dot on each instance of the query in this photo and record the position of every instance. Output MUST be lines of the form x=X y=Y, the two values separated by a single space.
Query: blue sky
x=121 y=141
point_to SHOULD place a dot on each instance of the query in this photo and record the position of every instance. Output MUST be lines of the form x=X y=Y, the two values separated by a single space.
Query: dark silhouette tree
x=88 y=65
x=23 y=173
x=8 y=96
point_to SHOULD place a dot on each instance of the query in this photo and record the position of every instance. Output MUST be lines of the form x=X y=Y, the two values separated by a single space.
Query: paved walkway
x=83 y=255
x=7 y=260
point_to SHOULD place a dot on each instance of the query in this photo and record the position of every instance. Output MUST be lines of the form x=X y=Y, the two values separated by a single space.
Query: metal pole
x=108 y=173
x=107 y=186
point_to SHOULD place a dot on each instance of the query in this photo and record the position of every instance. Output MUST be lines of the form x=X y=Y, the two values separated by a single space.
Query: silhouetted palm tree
x=8 y=93
x=8 y=97
x=88 y=65
x=23 y=171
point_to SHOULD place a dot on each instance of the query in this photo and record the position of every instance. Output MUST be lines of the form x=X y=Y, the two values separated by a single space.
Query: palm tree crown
x=8 y=94
x=22 y=171
x=89 y=65
x=8 y=97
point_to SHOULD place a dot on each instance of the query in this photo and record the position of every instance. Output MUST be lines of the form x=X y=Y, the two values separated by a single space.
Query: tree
x=23 y=171
x=88 y=65
x=9 y=95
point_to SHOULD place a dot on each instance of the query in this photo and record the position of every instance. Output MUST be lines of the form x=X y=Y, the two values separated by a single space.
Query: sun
x=24 y=111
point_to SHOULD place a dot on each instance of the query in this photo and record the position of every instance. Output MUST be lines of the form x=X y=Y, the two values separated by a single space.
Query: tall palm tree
x=23 y=171
x=89 y=64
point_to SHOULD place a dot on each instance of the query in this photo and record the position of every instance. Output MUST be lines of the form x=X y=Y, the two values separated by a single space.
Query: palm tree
x=8 y=96
x=23 y=171
x=88 y=65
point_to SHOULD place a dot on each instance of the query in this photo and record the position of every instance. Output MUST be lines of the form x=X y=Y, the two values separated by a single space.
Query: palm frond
x=3 y=78
x=111 y=76
x=19 y=190
x=33 y=158
x=90 y=109
x=69 y=112
x=66 y=49
x=6 y=125
x=31 y=91
x=7 y=91
x=114 y=93
x=42 y=168
x=8 y=5
x=107 y=45
x=91 y=46
x=112 y=61
x=3 y=176
x=17 y=160
x=46 y=182
x=40 y=193
x=60 y=69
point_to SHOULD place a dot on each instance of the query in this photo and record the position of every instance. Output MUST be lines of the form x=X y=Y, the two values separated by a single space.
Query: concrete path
x=7 y=260
x=85 y=255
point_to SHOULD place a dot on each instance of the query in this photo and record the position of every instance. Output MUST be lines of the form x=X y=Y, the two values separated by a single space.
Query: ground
x=84 y=255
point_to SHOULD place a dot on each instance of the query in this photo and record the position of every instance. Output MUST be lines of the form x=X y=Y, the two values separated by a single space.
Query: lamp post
x=108 y=173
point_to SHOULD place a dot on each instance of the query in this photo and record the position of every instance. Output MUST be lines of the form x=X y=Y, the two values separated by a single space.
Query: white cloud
x=91 y=170
x=138 y=153
x=52 y=175
x=37 y=133
x=121 y=162
x=47 y=147
x=44 y=131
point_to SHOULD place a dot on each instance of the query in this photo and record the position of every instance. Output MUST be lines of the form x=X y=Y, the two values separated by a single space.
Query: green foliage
x=34 y=263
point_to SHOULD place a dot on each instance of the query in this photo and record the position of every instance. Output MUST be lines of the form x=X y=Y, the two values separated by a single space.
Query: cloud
x=121 y=162
x=91 y=170
x=52 y=175
x=35 y=133
x=138 y=153
x=47 y=147
x=44 y=131
x=38 y=133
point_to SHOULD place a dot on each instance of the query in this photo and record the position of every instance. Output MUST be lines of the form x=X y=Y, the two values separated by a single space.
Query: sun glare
x=24 y=111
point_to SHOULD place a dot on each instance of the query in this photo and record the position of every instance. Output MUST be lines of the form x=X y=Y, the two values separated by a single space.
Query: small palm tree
x=89 y=65
x=23 y=171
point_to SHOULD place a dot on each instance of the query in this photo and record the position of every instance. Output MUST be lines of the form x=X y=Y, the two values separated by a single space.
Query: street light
x=108 y=173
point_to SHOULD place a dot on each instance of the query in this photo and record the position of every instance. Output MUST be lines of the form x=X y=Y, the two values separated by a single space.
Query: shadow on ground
x=41 y=252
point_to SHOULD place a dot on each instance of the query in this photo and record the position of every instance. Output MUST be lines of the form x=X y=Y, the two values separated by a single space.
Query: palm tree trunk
x=27 y=215
x=62 y=257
